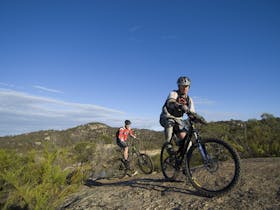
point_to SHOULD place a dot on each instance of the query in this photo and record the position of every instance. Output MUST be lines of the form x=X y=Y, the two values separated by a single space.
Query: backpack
x=117 y=134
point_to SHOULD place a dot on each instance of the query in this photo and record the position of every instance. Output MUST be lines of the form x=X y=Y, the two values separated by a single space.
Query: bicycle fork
x=202 y=149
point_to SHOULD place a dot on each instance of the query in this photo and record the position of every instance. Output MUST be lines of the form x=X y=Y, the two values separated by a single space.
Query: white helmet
x=184 y=81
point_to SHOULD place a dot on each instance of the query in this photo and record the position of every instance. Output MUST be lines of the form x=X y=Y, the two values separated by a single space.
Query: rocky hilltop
x=92 y=132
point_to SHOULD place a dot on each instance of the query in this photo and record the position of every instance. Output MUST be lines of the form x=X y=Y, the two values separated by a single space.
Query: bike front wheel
x=119 y=170
x=213 y=167
x=145 y=164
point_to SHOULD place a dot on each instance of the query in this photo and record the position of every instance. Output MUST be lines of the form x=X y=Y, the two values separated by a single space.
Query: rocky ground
x=259 y=188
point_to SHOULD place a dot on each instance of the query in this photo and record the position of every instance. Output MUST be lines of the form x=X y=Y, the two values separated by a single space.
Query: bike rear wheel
x=168 y=163
x=145 y=164
x=219 y=174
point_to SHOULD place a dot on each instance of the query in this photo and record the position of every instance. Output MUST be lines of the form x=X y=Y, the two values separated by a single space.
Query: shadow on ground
x=160 y=185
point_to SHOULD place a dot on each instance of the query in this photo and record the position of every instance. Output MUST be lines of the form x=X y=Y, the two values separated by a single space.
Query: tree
x=266 y=116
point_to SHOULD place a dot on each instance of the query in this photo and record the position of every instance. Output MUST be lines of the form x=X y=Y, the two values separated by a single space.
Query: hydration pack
x=117 y=133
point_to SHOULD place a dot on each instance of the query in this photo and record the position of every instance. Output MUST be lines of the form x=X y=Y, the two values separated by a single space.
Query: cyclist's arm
x=173 y=104
x=171 y=101
x=132 y=134
x=192 y=109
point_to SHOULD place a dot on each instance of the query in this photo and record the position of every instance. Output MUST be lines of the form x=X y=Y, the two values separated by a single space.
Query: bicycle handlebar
x=196 y=118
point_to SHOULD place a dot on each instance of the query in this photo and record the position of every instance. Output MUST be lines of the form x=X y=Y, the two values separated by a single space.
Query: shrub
x=84 y=151
x=34 y=180
x=156 y=162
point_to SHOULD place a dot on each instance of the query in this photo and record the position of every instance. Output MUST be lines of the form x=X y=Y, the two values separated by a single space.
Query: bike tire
x=145 y=163
x=119 y=169
x=227 y=160
x=167 y=163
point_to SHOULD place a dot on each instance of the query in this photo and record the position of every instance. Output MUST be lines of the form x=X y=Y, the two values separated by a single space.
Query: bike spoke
x=145 y=163
x=216 y=173
x=119 y=170
x=168 y=164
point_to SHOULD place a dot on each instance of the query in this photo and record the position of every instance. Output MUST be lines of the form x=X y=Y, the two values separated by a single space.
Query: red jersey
x=124 y=132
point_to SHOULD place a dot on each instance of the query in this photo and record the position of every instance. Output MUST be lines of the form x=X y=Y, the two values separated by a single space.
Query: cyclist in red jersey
x=122 y=136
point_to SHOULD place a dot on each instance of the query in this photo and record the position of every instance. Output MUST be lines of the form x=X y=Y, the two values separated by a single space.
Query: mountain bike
x=144 y=162
x=211 y=165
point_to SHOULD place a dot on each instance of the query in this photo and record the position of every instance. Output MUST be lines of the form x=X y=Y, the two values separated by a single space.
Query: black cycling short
x=121 y=144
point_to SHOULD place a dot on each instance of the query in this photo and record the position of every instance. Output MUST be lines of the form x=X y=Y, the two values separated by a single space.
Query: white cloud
x=202 y=101
x=211 y=115
x=21 y=112
x=6 y=84
x=47 y=89
x=148 y=123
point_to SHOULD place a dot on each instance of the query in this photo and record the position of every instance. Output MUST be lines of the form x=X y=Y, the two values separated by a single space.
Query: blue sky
x=65 y=63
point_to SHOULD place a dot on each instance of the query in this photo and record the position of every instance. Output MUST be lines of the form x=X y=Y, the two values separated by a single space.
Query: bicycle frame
x=191 y=131
x=133 y=150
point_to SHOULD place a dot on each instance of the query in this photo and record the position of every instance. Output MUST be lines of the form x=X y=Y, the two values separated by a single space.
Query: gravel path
x=259 y=188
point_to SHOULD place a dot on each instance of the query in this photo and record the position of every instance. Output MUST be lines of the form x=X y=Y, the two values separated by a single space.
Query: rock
x=48 y=138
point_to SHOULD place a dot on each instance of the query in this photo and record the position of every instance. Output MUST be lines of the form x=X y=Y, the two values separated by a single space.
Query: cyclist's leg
x=125 y=153
x=124 y=147
x=180 y=130
x=168 y=131
x=181 y=133
x=181 y=136
x=168 y=127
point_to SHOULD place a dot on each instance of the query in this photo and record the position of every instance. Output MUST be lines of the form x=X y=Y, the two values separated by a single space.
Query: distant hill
x=252 y=138
x=91 y=132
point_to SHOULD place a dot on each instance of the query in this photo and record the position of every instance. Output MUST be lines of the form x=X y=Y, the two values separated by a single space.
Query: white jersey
x=174 y=95
x=176 y=112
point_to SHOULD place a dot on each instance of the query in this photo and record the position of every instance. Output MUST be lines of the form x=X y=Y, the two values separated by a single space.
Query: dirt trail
x=259 y=188
x=151 y=152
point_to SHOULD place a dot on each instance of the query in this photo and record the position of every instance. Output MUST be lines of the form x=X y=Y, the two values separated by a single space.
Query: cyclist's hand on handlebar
x=182 y=101
x=191 y=115
x=197 y=118
x=184 y=108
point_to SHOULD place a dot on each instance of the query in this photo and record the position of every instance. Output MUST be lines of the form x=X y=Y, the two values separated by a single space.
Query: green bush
x=34 y=181
x=107 y=139
x=84 y=151
x=156 y=162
